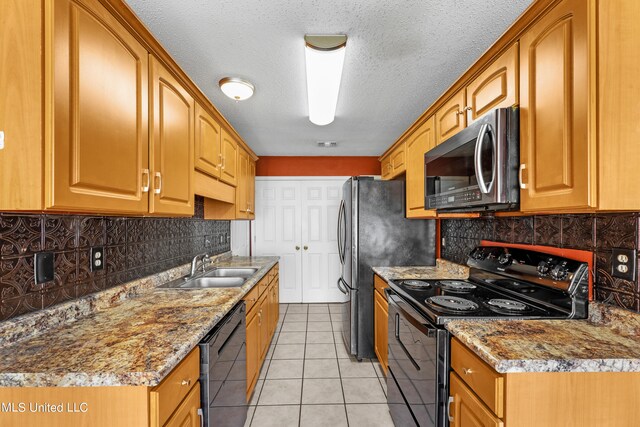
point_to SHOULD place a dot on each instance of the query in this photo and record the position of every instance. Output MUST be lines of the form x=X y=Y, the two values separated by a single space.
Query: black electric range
x=503 y=283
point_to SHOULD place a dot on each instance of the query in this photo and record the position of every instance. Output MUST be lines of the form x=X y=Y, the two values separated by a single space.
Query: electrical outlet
x=97 y=258
x=623 y=264
x=43 y=267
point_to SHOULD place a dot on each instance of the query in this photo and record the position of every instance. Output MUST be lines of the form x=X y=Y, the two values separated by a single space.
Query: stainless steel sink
x=213 y=282
x=232 y=272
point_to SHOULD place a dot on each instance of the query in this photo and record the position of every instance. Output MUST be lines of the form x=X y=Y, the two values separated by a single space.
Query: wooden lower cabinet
x=253 y=351
x=262 y=317
x=380 y=322
x=467 y=409
x=480 y=396
x=174 y=402
x=187 y=414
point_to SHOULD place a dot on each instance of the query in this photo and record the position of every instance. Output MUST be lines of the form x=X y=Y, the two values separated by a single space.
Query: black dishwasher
x=223 y=371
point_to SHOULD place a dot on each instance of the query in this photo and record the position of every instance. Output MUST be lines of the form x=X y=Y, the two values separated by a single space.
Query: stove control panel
x=549 y=270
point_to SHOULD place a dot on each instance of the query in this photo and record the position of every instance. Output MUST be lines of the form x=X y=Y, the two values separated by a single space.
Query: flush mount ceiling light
x=236 y=89
x=324 y=56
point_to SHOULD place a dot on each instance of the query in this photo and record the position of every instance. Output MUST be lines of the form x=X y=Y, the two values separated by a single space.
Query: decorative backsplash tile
x=134 y=247
x=599 y=233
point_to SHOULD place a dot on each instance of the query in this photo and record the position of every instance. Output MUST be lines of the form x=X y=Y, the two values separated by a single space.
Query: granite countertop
x=442 y=270
x=608 y=341
x=134 y=342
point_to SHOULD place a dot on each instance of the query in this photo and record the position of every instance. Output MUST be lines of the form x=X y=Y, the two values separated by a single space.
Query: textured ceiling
x=400 y=57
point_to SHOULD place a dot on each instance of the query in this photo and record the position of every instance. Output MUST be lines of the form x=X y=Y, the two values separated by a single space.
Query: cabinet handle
x=467 y=109
x=297 y=248
x=467 y=371
x=522 y=184
x=224 y=161
x=305 y=247
x=159 y=187
x=220 y=164
x=260 y=318
x=201 y=415
x=449 y=409
x=186 y=382
x=146 y=180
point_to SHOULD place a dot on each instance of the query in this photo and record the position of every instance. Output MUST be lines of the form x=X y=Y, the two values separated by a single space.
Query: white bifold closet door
x=296 y=220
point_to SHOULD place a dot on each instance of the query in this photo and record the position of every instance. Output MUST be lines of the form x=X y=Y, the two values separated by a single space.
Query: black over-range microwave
x=477 y=169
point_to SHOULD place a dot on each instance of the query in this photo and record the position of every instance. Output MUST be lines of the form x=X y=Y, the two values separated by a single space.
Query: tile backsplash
x=134 y=248
x=598 y=233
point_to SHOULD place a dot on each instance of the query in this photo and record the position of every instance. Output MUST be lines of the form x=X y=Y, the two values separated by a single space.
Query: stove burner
x=456 y=286
x=417 y=284
x=455 y=304
x=507 y=304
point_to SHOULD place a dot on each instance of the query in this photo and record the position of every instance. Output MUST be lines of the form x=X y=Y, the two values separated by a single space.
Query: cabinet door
x=421 y=141
x=263 y=322
x=98 y=153
x=253 y=350
x=385 y=167
x=172 y=144
x=398 y=160
x=229 y=170
x=208 y=156
x=496 y=87
x=467 y=410
x=556 y=150
x=251 y=188
x=380 y=319
x=187 y=413
x=450 y=118
x=242 y=205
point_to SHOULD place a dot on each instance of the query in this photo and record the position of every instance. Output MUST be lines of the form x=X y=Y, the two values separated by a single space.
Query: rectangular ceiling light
x=324 y=59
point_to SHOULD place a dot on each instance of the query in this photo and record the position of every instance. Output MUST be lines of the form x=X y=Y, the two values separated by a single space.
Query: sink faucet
x=194 y=263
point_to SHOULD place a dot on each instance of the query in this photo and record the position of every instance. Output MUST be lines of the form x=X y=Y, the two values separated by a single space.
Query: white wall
x=240 y=237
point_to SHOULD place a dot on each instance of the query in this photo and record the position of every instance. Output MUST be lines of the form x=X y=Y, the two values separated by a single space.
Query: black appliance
x=503 y=283
x=373 y=231
x=223 y=371
x=477 y=168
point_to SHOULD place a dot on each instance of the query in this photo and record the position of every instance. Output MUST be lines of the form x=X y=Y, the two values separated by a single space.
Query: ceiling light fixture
x=324 y=56
x=236 y=89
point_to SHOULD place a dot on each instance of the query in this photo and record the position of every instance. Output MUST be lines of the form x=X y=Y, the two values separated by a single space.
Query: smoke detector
x=327 y=144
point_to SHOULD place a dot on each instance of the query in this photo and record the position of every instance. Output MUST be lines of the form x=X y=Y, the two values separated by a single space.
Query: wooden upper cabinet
x=251 y=188
x=421 y=140
x=385 y=167
x=556 y=148
x=172 y=144
x=229 y=170
x=398 y=160
x=97 y=158
x=450 y=118
x=208 y=155
x=495 y=87
x=242 y=204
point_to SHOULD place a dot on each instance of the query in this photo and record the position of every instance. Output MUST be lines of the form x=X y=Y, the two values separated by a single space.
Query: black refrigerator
x=373 y=231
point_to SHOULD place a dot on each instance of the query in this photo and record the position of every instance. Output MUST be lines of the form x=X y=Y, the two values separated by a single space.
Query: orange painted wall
x=317 y=166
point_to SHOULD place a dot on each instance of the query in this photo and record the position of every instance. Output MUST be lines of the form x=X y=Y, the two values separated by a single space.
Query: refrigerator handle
x=340 y=232
x=341 y=288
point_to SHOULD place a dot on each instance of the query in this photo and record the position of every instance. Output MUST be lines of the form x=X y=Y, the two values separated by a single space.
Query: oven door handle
x=411 y=317
x=477 y=156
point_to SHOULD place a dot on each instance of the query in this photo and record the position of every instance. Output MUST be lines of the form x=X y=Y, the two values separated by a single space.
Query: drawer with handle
x=480 y=377
x=251 y=298
x=168 y=395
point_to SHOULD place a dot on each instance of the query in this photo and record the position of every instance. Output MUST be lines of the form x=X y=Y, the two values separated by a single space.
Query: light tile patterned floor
x=309 y=380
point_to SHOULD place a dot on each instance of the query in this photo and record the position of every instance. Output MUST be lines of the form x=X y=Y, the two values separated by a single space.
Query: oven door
x=417 y=385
